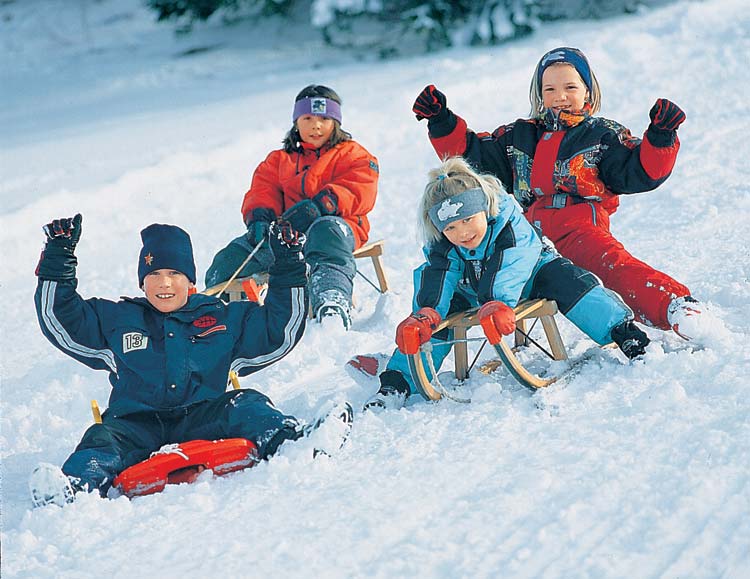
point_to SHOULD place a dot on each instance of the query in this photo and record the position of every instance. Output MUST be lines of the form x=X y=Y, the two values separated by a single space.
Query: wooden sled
x=183 y=462
x=253 y=288
x=541 y=309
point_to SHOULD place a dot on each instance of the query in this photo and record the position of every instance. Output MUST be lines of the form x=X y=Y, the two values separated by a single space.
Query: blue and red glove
x=416 y=330
x=303 y=213
x=666 y=116
x=289 y=268
x=285 y=242
x=430 y=104
x=497 y=320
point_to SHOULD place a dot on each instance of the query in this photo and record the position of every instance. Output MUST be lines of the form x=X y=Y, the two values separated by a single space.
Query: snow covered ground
x=626 y=470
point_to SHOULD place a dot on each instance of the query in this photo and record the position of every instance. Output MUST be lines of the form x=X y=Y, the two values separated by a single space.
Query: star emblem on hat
x=148 y=258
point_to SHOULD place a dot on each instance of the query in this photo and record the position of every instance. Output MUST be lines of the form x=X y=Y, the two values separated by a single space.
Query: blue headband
x=458 y=207
x=319 y=106
x=571 y=56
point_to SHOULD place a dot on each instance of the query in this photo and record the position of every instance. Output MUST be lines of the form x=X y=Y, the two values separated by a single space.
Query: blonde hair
x=537 y=100
x=453 y=177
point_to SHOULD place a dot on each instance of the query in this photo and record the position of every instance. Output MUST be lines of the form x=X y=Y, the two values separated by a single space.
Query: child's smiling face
x=315 y=130
x=166 y=289
x=468 y=232
x=563 y=88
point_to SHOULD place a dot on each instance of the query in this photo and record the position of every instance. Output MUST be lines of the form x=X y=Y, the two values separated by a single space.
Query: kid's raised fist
x=430 y=103
x=666 y=116
x=416 y=330
x=283 y=239
x=497 y=320
x=64 y=231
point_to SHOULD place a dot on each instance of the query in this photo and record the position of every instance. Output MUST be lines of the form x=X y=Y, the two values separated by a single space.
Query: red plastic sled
x=182 y=463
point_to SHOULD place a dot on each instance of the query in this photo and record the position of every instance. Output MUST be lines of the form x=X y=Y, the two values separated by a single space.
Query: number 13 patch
x=134 y=341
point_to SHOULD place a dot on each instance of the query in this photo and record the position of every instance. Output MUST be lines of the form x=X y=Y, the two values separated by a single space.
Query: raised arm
x=68 y=321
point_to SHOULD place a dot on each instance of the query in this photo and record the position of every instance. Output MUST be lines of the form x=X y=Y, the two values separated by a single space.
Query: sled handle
x=95 y=412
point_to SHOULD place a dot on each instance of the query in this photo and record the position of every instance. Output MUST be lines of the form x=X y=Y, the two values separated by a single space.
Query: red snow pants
x=581 y=233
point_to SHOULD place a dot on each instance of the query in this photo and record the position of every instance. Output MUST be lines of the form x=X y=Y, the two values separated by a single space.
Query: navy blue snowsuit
x=169 y=371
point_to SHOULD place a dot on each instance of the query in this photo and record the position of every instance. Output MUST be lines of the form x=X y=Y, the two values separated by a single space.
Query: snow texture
x=626 y=469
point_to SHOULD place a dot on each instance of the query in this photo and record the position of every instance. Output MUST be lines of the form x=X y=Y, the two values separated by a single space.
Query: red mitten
x=498 y=320
x=416 y=330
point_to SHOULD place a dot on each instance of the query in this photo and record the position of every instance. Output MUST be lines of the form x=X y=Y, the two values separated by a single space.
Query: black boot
x=631 y=339
x=393 y=392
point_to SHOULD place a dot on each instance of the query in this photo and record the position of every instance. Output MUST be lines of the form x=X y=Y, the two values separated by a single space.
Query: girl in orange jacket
x=323 y=183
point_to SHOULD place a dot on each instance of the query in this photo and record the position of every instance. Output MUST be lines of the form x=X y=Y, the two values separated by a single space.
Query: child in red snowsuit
x=567 y=168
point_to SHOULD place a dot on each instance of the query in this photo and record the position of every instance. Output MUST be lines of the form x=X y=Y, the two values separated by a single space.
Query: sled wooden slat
x=374 y=251
x=460 y=322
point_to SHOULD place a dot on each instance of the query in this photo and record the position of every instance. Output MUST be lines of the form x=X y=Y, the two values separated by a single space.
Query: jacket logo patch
x=134 y=341
x=221 y=328
x=205 y=322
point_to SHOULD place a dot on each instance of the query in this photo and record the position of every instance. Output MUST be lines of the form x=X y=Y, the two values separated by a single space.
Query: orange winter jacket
x=348 y=170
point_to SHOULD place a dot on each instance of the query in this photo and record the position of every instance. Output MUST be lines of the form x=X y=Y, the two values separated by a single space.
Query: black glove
x=666 y=116
x=289 y=268
x=257 y=231
x=302 y=214
x=285 y=242
x=58 y=261
x=430 y=104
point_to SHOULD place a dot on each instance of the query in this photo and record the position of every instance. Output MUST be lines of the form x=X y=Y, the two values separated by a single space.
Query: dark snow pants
x=120 y=442
x=328 y=250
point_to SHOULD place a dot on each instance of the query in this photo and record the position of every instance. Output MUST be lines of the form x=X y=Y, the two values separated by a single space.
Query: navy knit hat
x=571 y=56
x=165 y=247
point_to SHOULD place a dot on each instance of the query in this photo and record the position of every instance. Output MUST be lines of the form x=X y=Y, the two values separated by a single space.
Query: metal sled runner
x=531 y=310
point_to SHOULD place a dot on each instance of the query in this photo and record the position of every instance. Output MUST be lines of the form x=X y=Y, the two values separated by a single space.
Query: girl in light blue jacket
x=482 y=252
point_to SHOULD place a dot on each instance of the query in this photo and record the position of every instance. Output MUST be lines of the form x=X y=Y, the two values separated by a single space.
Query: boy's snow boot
x=334 y=305
x=48 y=485
x=631 y=339
x=330 y=430
x=392 y=395
x=693 y=321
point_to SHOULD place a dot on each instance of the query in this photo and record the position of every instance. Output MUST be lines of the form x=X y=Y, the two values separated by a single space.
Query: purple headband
x=571 y=56
x=319 y=106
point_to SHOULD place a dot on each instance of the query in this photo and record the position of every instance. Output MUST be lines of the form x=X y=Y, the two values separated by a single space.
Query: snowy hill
x=626 y=470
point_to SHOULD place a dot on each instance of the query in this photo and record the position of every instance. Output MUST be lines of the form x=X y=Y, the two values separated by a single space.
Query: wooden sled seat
x=530 y=310
x=253 y=287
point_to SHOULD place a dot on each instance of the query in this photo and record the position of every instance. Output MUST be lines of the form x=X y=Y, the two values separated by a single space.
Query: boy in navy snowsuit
x=169 y=354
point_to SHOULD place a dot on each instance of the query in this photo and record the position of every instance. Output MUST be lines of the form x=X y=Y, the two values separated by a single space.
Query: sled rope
x=170 y=449
x=427 y=349
x=239 y=269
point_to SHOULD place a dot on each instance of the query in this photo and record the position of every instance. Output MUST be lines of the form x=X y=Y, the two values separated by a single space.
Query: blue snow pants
x=117 y=443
